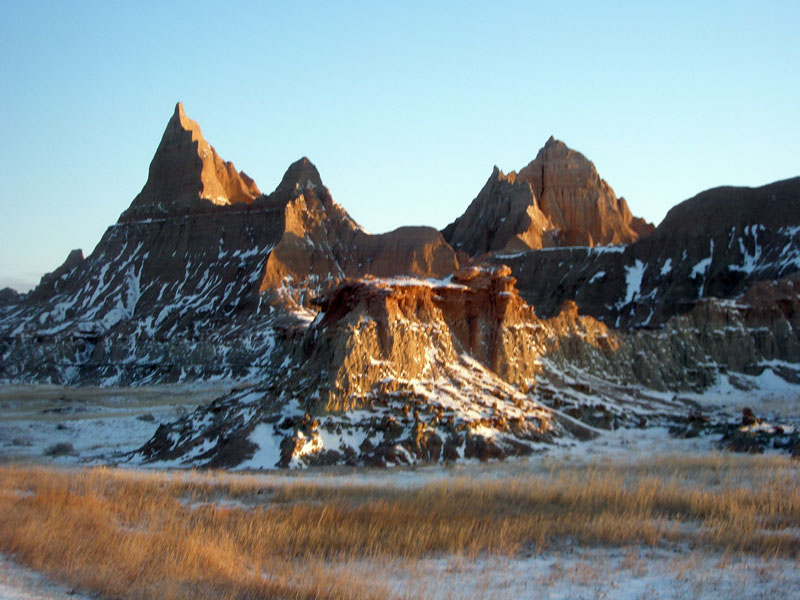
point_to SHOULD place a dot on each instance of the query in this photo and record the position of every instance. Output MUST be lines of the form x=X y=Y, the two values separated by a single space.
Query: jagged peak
x=499 y=175
x=299 y=174
x=74 y=258
x=554 y=149
x=556 y=156
x=179 y=113
x=557 y=199
x=49 y=283
x=177 y=127
x=185 y=170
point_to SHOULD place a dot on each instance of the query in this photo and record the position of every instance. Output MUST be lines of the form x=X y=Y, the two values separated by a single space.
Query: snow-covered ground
x=90 y=425
x=767 y=393
x=626 y=574
x=101 y=424
x=20 y=583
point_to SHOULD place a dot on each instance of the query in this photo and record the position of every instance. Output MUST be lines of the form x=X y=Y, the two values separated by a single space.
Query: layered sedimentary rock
x=405 y=370
x=320 y=244
x=716 y=244
x=187 y=174
x=557 y=200
x=392 y=371
x=201 y=276
x=581 y=205
x=388 y=349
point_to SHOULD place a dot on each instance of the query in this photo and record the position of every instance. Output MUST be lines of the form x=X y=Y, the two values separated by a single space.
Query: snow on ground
x=90 y=425
x=101 y=424
x=98 y=426
x=269 y=451
x=19 y=583
x=765 y=393
x=623 y=447
x=619 y=573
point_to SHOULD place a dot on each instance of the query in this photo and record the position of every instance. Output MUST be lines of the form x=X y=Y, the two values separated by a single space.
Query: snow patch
x=701 y=268
x=269 y=448
x=633 y=279
x=597 y=276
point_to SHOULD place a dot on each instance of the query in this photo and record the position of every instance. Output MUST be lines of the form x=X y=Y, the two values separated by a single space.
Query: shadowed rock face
x=187 y=174
x=183 y=287
x=9 y=296
x=51 y=282
x=321 y=244
x=556 y=200
x=383 y=349
x=716 y=244
x=405 y=370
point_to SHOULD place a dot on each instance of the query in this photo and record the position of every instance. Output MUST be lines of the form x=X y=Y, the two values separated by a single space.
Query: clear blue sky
x=404 y=107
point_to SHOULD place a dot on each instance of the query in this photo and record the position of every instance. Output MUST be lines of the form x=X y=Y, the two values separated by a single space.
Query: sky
x=403 y=107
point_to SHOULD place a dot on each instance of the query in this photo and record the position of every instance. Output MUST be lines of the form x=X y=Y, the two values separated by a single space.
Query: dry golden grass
x=128 y=534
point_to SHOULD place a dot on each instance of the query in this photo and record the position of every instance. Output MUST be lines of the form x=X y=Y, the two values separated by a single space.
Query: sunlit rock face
x=399 y=371
x=406 y=370
x=187 y=174
x=201 y=277
x=371 y=329
x=580 y=205
x=715 y=245
x=557 y=200
x=401 y=348
x=321 y=244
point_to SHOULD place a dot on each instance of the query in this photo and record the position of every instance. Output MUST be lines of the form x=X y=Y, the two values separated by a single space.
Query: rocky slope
x=557 y=200
x=400 y=371
x=406 y=370
x=715 y=245
x=187 y=175
x=400 y=348
x=200 y=277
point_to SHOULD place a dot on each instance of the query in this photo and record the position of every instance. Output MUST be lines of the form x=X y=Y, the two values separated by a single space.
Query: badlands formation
x=547 y=311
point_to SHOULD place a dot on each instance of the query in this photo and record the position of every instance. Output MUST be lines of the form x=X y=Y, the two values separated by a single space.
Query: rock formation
x=401 y=347
x=187 y=174
x=405 y=370
x=394 y=371
x=716 y=244
x=183 y=287
x=9 y=296
x=581 y=205
x=321 y=244
x=51 y=283
x=556 y=200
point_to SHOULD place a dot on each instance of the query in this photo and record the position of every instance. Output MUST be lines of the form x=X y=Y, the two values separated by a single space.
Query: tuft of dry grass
x=129 y=534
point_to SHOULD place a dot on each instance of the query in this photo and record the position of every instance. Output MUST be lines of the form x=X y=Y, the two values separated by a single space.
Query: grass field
x=135 y=534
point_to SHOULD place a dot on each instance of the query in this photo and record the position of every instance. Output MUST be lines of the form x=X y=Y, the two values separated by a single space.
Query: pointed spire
x=185 y=170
